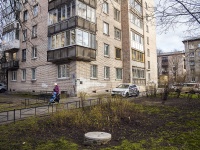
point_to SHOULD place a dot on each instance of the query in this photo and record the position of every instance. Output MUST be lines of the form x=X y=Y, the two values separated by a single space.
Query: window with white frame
x=34 y=52
x=25 y=15
x=33 y=73
x=116 y=14
x=63 y=71
x=35 y=10
x=106 y=72
x=117 y=33
x=135 y=5
x=106 y=50
x=193 y=79
x=34 y=31
x=136 y=20
x=24 y=37
x=23 y=74
x=138 y=73
x=71 y=37
x=14 y=75
x=137 y=41
x=119 y=73
x=93 y=71
x=105 y=7
x=106 y=28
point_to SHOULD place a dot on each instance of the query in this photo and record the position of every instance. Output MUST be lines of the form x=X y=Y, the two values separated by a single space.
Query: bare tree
x=174 y=13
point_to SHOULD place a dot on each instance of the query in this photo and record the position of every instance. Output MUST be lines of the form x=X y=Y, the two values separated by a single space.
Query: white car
x=3 y=87
x=126 y=90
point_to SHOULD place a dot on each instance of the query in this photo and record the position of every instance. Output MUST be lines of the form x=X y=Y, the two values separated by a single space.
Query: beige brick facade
x=79 y=78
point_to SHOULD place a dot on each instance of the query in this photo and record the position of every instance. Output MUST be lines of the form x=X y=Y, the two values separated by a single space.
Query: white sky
x=171 y=40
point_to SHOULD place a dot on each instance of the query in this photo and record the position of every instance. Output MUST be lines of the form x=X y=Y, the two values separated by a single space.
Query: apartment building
x=83 y=45
x=172 y=65
x=192 y=59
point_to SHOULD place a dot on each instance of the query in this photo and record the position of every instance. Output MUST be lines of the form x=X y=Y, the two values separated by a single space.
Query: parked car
x=3 y=87
x=189 y=88
x=126 y=90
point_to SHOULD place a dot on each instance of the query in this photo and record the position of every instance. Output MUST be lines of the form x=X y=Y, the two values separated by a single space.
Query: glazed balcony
x=71 y=23
x=10 y=65
x=72 y=53
x=12 y=46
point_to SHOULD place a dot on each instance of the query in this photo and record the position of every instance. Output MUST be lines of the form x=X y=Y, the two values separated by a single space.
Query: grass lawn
x=139 y=124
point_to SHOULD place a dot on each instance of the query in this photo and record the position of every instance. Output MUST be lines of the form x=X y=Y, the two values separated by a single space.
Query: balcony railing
x=10 y=65
x=72 y=23
x=71 y=53
x=11 y=46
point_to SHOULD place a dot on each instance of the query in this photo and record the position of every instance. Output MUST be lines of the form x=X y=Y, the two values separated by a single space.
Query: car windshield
x=123 y=86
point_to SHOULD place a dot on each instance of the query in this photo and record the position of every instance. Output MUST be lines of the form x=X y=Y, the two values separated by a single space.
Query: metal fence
x=20 y=114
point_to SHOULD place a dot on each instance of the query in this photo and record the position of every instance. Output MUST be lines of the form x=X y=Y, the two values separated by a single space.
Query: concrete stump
x=96 y=138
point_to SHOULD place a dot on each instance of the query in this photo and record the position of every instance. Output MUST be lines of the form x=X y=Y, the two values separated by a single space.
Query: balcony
x=55 y=3
x=10 y=65
x=11 y=46
x=71 y=23
x=76 y=53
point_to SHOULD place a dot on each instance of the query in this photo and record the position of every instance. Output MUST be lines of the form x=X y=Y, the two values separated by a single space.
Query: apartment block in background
x=192 y=59
x=172 y=65
x=84 y=46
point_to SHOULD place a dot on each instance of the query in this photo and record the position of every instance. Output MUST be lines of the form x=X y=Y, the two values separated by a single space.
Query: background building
x=172 y=64
x=192 y=59
x=89 y=46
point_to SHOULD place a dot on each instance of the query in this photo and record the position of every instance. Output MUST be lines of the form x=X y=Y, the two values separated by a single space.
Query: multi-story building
x=192 y=59
x=172 y=64
x=83 y=45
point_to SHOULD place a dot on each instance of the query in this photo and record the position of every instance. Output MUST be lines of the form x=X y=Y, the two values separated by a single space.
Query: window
x=135 y=5
x=191 y=54
x=137 y=41
x=93 y=71
x=138 y=73
x=33 y=70
x=86 y=12
x=106 y=72
x=119 y=73
x=72 y=37
x=24 y=38
x=116 y=14
x=193 y=79
x=147 y=27
x=34 y=52
x=146 y=6
x=148 y=40
x=24 y=55
x=117 y=33
x=148 y=64
x=149 y=76
x=105 y=7
x=137 y=56
x=147 y=17
x=34 y=31
x=25 y=15
x=35 y=10
x=23 y=74
x=106 y=28
x=136 y=20
x=106 y=50
x=14 y=75
x=118 y=53
x=63 y=71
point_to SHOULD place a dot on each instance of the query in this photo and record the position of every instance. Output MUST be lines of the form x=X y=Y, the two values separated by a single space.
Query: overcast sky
x=170 y=41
